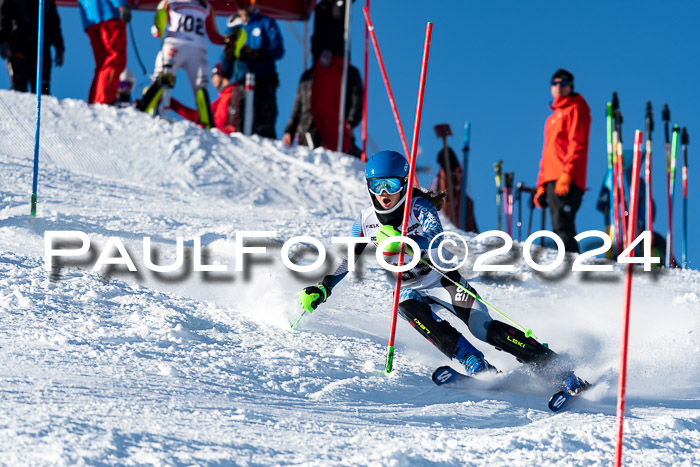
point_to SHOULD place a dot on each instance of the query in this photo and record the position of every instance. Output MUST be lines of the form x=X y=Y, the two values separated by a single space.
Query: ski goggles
x=560 y=83
x=390 y=185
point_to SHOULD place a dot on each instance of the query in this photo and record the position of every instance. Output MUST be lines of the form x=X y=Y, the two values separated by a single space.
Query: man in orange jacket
x=221 y=80
x=562 y=178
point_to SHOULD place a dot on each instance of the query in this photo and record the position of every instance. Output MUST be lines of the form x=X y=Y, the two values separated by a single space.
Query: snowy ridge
x=127 y=368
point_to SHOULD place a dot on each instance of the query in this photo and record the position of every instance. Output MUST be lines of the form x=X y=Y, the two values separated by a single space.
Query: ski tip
x=444 y=375
x=558 y=400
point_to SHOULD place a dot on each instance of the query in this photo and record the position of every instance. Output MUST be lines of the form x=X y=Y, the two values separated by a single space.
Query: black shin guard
x=525 y=349
x=440 y=333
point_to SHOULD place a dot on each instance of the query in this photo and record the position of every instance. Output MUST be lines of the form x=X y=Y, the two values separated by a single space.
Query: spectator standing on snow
x=185 y=46
x=219 y=108
x=310 y=114
x=105 y=24
x=562 y=178
x=19 y=21
x=263 y=47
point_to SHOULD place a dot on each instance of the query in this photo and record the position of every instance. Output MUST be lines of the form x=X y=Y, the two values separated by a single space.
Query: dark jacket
x=301 y=121
x=329 y=28
x=19 y=20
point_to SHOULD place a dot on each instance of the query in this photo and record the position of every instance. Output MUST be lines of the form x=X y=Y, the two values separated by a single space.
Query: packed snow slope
x=188 y=367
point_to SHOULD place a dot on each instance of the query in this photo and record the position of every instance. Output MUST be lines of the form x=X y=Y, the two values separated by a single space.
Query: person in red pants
x=221 y=79
x=105 y=24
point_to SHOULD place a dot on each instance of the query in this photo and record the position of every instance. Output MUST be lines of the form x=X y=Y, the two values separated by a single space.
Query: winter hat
x=218 y=69
x=563 y=74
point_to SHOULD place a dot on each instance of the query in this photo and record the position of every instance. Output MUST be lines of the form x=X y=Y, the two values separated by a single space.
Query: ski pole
x=39 y=74
x=671 y=189
x=612 y=228
x=666 y=117
x=528 y=332
x=519 y=200
x=684 y=143
x=508 y=198
x=647 y=173
x=498 y=168
x=409 y=192
x=465 y=174
x=298 y=319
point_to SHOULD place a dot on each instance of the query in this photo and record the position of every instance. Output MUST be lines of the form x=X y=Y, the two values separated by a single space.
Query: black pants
x=22 y=67
x=563 y=210
x=264 y=106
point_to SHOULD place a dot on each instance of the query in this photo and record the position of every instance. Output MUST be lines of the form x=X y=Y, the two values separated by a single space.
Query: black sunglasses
x=560 y=83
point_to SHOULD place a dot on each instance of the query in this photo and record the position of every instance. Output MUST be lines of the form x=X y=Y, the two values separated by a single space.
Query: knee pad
x=525 y=349
x=439 y=332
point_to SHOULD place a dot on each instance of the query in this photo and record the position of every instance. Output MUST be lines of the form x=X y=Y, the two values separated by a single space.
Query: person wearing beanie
x=562 y=177
x=221 y=79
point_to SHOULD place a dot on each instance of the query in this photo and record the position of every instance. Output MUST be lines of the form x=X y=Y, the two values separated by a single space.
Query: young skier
x=185 y=47
x=422 y=287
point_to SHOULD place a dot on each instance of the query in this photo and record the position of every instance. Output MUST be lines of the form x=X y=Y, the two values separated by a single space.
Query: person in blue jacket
x=105 y=24
x=262 y=48
x=423 y=289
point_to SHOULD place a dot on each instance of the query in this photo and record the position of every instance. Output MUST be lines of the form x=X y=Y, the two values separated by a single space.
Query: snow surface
x=115 y=367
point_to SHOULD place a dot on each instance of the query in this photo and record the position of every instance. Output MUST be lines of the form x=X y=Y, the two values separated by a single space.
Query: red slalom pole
x=387 y=84
x=631 y=231
x=363 y=156
x=409 y=193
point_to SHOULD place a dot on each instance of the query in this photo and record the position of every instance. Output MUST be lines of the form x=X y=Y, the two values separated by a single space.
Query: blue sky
x=490 y=64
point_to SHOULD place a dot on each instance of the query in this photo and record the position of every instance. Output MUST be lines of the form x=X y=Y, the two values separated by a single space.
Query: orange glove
x=539 y=195
x=563 y=184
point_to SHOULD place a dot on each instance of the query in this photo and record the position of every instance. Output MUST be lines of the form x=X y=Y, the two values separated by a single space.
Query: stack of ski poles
x=617 y=212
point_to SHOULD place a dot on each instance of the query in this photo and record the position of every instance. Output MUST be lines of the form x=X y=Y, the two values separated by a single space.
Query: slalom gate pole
x=39 y=71
x=684 y=143
x=647 y=173
x=363 y=156
x=528 y=332
x=409 y=191
x=465 y=174
x=617 y=128
x=631 y=231
x=344 y=79
x=666 y=116
x=671 y=189
x=387 y=84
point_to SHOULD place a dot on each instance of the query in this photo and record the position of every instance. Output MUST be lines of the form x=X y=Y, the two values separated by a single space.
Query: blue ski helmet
x=387 y=164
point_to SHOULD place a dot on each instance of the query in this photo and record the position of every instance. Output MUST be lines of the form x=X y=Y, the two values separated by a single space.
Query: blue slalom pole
x=39 y=73
x=465 y=172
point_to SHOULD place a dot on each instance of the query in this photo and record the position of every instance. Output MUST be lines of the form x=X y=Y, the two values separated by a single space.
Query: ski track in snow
x=184 y=368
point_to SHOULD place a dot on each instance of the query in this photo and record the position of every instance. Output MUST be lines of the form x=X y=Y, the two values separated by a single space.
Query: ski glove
x=540 y=198
x=60 y=55
x=389 y=231
x=563 y=184
x=125 y=13
x=311 y=297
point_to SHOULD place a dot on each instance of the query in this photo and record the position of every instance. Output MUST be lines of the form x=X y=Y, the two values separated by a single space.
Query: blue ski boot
x=572 y=383
x=473 y=360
